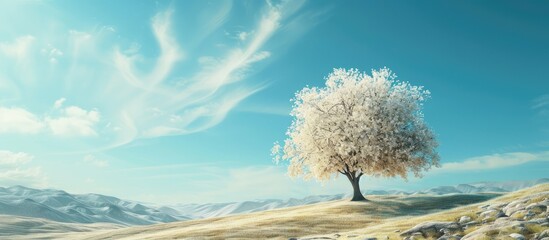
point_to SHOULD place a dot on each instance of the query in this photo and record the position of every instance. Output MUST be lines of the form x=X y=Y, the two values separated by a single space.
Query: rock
x=538 y=221
x=464 y=219
x=484 y=230
x=522 y=230
x=450 y=231
x=453 y=237
x=369 y=238
x=514 y=206
x=501 y=219
x=492 y=214
x=415 y=236
x=432 y=229
x=529 y=215
x=471 y=223
x=520 y=214
x=517 y=236
x=292 y=238
x=518 y=219
x=536 y=208
x=517 y=202
x=511 y=211
x=544 y=234
x=544 y=202
x=497 y=206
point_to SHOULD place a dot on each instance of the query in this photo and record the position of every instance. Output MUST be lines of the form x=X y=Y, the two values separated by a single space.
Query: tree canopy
x=358 y=124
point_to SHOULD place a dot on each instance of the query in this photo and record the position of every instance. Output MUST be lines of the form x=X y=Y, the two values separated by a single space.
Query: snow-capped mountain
x=61 y=206
x=483 y=187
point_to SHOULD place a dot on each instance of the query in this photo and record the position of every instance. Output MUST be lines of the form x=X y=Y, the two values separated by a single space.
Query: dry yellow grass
x=321 y=218
x=381 y=217
x=391 y=228
x=17 y=227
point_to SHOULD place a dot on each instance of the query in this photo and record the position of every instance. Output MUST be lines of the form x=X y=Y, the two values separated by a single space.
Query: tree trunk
x=357 y=195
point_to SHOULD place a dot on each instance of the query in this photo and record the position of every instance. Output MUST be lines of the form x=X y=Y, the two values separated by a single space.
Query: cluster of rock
x=526 y=218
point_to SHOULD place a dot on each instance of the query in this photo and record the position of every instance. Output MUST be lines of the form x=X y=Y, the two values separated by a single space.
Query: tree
x=358 y=124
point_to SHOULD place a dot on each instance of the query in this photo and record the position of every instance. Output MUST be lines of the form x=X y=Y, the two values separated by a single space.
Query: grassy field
x=391 y=228
x=321 y=218
x=15 y=227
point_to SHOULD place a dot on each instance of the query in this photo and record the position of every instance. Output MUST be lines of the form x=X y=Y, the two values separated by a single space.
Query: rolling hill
x=197 y=211
x=57 y=213
x=383 y=217
x=58 y=205
x=14 y=227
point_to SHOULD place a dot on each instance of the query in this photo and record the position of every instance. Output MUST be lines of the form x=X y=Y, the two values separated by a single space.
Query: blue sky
x=181 y=101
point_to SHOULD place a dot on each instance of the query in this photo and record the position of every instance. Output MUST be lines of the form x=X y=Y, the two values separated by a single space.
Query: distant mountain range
x=480 y=187
x=222 y=209
x=61 y=206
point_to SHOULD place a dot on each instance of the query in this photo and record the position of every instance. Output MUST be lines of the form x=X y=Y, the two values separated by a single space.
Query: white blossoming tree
x=358 y=124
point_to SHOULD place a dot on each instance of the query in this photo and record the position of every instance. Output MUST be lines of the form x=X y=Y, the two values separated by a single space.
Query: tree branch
x=349 y=177
x=334 y=106
x=347 y=167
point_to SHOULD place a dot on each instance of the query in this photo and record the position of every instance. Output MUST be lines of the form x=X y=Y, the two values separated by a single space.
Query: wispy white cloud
x=74 y=121
x=52 y=53
x=14 y=172
x=541 y=102
x=58 y=103
x=136 y=94
x=197 y=102
x=94 y=161
x=18 y=49
x=494 y=161
x=243 y=36
x=19 y=120
x=541 y=105
x=108 y=28
x=71 y=121
x=14 y=158
x=23 y=176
